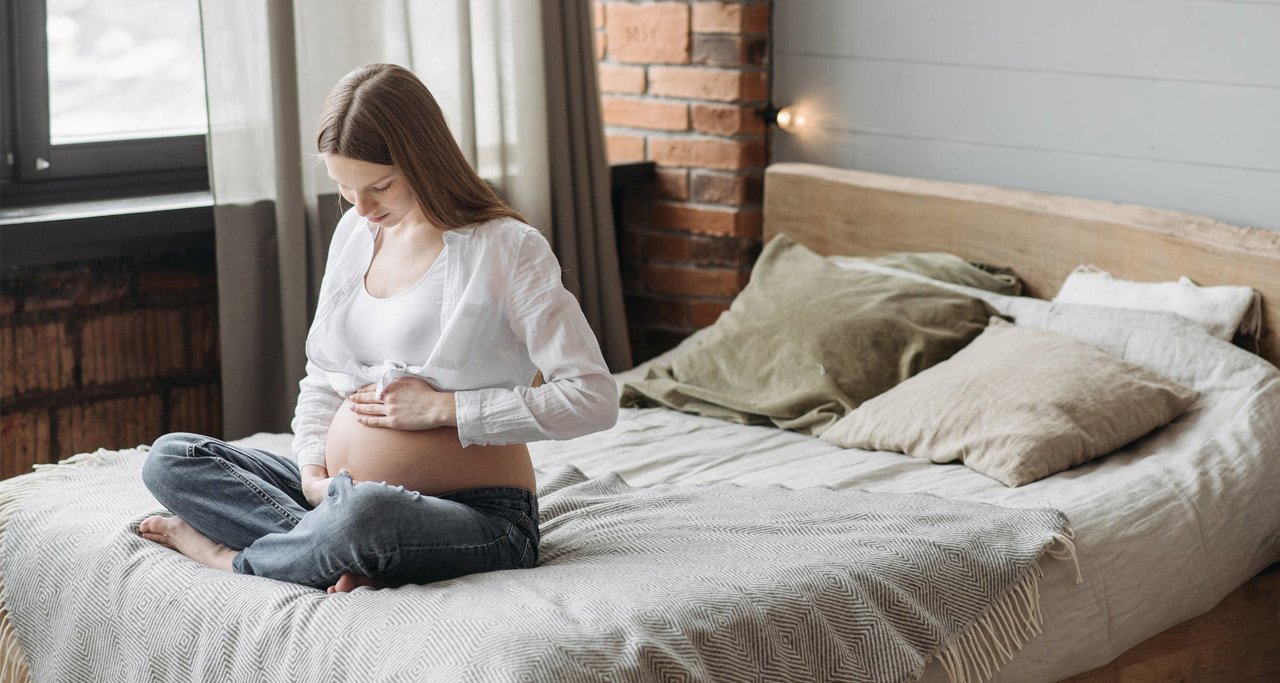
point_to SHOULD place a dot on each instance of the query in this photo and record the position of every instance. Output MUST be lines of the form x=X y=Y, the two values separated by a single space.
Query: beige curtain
x=582 y=230
x=517 y=82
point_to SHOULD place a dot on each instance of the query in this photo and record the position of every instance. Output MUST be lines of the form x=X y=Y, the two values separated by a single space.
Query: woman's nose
x=364 y=204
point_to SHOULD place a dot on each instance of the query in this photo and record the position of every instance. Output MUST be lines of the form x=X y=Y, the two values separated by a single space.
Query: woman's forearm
x=560 y=409
x=312 y=473
x=447 y=409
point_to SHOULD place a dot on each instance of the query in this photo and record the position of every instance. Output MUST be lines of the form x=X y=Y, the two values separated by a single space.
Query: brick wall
x=680 y=85
x=108 y=354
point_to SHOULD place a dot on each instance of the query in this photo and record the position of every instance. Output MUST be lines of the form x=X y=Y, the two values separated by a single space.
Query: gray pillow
x=1018 y=404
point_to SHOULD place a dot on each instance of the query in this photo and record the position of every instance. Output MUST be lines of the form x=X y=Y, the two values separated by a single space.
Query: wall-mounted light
x=789 y=119
x=786 y=118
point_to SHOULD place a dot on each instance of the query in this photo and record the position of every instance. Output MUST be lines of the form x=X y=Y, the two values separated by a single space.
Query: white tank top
x=404 y=327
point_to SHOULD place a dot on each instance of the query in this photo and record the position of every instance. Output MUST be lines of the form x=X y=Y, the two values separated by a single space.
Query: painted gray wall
x=1168 y=103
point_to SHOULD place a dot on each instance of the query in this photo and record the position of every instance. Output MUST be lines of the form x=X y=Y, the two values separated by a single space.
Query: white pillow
x=1222 y=310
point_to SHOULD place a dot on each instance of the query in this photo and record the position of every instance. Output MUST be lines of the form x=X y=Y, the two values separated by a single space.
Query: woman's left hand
x=408 y=403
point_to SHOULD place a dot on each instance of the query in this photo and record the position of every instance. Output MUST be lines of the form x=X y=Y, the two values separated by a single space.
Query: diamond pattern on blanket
x=709 y=582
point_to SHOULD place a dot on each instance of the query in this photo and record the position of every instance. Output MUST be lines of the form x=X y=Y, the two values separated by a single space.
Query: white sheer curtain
x=269 y=65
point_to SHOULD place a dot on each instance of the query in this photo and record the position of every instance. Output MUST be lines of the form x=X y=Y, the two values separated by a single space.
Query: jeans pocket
x=525 y=555
x=518 y=537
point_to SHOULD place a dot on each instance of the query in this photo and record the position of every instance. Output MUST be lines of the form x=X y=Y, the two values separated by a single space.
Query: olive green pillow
x=1018 y=404
x=948 y=268
x=807 y=341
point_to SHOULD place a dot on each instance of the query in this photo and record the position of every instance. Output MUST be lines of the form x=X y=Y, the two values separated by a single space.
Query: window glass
x=124 y=69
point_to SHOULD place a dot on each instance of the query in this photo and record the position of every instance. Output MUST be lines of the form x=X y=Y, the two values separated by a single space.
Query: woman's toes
x=349 y=582
x=155 y=528
x=174 y=532
x=157 y=524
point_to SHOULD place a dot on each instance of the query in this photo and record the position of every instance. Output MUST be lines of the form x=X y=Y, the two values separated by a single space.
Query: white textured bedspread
x=672 y=582
x=1165 y=528
x=716 y=582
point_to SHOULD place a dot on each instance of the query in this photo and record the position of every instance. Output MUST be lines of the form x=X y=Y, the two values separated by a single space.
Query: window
x=100 y=98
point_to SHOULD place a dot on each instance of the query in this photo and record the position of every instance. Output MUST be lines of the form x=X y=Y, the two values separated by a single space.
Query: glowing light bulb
x=789 y=119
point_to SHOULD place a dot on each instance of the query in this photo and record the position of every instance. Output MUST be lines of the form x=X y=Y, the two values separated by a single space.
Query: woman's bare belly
x=429 y=461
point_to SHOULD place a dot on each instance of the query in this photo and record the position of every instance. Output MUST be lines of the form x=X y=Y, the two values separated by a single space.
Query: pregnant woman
x=438 y=309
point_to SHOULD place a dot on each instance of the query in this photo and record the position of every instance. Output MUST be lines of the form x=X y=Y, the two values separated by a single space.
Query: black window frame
x=79 y=171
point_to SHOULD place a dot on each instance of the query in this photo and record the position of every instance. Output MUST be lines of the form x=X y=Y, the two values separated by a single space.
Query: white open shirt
x=505 y=316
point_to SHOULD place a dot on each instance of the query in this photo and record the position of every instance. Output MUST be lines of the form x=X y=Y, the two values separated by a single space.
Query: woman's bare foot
x=175 y=533
x=349 y=582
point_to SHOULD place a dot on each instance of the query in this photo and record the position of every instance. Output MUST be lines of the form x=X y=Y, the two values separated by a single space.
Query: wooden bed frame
x=1043 y=238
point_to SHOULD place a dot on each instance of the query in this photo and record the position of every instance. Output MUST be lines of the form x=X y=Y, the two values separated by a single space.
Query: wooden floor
x=1237 y=642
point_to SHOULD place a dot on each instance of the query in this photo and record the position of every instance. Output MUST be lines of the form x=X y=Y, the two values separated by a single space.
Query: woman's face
x=379 y=192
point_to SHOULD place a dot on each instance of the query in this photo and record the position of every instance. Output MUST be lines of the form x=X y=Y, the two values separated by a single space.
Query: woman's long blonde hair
x=382 y=114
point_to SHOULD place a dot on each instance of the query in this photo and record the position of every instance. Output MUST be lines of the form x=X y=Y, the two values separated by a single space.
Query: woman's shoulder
x=502 y=239
x=503 y=231
x=511 y=249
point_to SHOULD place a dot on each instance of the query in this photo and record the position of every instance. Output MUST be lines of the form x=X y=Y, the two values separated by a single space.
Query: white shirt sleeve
x=317 y=400
x=579 y=395
x=317 y=404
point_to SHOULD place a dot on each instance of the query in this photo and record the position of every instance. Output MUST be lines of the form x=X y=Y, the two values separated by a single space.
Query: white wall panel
x=1226 y=125
x=1237 y=196
x=1170 y=103
x=1217 y=42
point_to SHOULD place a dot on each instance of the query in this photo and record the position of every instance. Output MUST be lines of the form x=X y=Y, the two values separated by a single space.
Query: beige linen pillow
x=1017 y=404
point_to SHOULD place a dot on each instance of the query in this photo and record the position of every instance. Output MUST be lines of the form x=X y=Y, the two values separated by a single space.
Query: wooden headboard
x=1042 y=237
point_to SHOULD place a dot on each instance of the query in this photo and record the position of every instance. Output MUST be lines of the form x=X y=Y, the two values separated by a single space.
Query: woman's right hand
x=315 y=483
x=316 y=490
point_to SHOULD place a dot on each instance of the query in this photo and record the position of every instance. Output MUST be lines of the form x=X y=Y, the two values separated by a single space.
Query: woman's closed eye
x=384 y=188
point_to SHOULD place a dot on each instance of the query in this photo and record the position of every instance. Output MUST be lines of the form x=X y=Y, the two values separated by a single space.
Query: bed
x=1172 y=573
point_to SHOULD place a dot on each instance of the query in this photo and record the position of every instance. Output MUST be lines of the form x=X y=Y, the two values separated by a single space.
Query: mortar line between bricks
x=750 y=172
x=687 y=134
x=677 y=232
